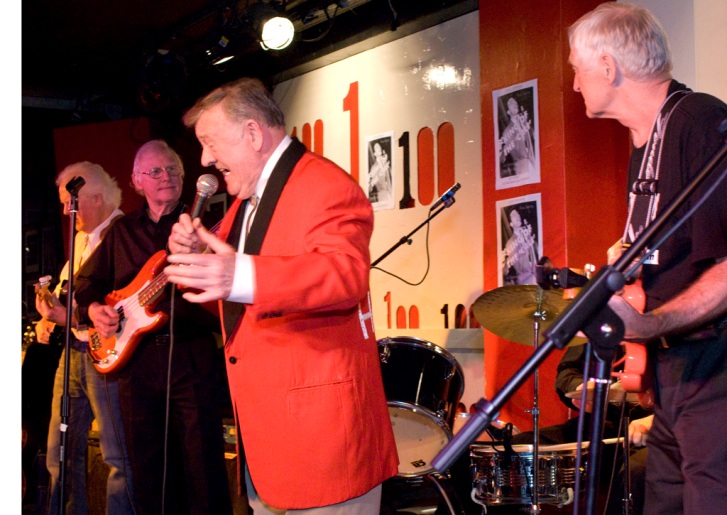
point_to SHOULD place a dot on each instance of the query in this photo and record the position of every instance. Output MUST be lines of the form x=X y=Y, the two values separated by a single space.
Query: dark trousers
x=190 y=476
x=686 y=470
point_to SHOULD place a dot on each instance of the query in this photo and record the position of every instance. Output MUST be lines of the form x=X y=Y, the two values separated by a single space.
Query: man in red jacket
x=292 y=277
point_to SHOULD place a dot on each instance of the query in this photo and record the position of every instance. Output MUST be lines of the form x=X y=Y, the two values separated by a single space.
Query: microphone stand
x=589 y=313
x=407 y=239
x=73 y=186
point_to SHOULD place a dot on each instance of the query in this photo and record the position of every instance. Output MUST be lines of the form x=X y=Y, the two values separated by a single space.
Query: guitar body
x=135 y=304
x=637 y=375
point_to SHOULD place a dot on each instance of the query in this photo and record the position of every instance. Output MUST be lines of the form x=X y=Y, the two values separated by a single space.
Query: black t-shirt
x=690 y=140
x=118 y=261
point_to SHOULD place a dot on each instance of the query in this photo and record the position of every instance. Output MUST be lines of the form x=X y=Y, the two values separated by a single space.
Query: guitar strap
x=644 y=193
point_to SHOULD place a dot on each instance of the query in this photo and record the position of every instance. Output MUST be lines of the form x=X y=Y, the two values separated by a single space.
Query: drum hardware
x=429 y=493
x=627 y=502
x=518 y=313
x=495 y=432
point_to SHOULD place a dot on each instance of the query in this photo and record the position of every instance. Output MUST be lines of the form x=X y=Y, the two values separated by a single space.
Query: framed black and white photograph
x=517 y=137
x=379 y=178
x=519 y=239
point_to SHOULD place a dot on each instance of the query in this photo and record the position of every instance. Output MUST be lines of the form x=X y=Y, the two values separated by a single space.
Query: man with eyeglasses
x=170 y=386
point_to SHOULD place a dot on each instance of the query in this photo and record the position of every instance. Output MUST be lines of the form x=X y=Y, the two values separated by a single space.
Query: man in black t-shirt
x=622 y=64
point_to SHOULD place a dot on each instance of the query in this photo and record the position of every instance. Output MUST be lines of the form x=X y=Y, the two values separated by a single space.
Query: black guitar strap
x=644 y=195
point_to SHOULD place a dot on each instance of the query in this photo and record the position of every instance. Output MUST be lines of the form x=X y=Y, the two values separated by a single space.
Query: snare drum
x=499 y=478
x=423 y=384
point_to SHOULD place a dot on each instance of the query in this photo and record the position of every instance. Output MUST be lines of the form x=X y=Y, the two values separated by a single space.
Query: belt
x=708 y=332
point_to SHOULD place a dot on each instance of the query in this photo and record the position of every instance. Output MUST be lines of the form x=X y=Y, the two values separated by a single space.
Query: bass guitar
x=135 y=305
x=637 y=375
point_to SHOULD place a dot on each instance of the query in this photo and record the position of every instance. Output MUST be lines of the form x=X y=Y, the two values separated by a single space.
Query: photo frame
x=517 y=135
x=380 y=166
x=519 y=239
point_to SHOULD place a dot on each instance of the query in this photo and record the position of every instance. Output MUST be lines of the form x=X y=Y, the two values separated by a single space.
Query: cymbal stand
x=538 y=315
x=627 y=501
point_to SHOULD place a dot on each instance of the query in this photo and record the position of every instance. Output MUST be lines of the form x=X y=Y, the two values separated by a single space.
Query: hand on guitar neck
x=49 y=330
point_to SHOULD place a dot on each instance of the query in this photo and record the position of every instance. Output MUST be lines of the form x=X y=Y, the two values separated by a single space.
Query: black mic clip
x=547 y=276
x=448 y=198
x=74 y=185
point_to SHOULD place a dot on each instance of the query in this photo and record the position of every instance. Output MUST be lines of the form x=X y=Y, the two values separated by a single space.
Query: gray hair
x=241 y=100
x=98 y=181
x=629 y=33
x=157 y=145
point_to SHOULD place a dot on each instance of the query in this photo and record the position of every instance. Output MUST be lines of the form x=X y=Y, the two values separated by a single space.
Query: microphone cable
x=426 y=272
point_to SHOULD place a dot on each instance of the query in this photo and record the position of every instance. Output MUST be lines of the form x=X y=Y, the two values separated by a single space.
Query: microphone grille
x=207 y=184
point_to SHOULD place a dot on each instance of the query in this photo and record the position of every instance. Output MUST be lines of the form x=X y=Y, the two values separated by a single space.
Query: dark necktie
x=232 y=311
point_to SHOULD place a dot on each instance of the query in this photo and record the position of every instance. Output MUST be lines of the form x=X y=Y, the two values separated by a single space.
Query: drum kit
x=424 y=384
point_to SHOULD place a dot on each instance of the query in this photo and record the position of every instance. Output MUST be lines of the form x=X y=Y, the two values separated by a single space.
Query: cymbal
x=615 y=395
x=509 y=312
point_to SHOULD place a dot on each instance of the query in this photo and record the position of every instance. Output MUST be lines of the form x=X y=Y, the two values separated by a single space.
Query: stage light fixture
x=270 y=26
x=277 y=33
x=219 y=54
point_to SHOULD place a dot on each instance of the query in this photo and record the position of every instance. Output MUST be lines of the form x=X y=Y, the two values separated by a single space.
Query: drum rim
x=413 y=341
x=429 y=413
x=441 y=424
x=562 y=449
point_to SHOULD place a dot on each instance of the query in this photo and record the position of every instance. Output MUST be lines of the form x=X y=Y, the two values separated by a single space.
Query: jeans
x=91 y=395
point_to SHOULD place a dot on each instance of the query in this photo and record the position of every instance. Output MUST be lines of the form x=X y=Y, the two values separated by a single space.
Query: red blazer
x=303 y=364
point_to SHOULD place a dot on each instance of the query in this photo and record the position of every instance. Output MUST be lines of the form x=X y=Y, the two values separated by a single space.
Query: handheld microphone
x=447 y=198
x=206 y=187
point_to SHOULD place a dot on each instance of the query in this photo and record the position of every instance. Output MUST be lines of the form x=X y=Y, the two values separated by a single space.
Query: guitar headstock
x=42 y=290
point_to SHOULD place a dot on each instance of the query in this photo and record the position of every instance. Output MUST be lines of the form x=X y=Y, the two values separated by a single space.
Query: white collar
x=270 y=165
x=94 y=237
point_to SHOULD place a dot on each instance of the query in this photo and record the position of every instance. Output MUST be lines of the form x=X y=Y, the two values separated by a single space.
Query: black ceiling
x=130 y=57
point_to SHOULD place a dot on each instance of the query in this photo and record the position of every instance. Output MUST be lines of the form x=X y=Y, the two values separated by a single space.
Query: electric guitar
x=135 y=305
x=637 y=375
x=42 y=290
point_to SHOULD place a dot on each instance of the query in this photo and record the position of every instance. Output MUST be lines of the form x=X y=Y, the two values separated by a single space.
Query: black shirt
x=119 y=260
x=690 y=140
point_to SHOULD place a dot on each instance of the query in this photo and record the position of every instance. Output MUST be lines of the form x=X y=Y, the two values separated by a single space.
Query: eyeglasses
x=156 y=173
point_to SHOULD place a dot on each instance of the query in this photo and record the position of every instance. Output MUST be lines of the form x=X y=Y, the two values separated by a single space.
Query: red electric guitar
x=135 y=305
x=637 y=375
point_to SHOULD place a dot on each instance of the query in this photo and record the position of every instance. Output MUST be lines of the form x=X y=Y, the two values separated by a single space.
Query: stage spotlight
x=277 y=33
x=270 y=26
